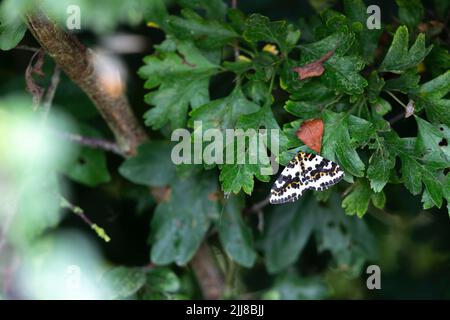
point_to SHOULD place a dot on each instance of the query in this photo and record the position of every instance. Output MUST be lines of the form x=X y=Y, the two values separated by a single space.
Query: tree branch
x=79 y=63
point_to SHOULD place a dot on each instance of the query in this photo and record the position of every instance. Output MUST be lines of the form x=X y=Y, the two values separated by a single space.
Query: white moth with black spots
x=305 y=171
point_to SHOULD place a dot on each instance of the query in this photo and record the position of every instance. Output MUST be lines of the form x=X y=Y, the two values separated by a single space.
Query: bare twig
x=257 y=207
x=95 y=143
x=397 y=118
x=35 y=67
x=27 y=48
x=80 y=212
x=50 y=94
x=80 y=65
x=209 y=276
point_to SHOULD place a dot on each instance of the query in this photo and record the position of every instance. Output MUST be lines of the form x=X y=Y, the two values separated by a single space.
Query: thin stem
x=27 y=48
x=80 y=212
x=257 y=207
x=50 y=94
x=95 y=143
x=396 y=99
x=397 y=118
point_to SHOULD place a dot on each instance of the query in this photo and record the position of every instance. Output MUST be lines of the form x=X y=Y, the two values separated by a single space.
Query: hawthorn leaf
x=378 y=172
x=405 y=82
x=87 y=165
x=399 y=58
x=223 y=113
x=310 y=100
x=430 y=96
x=289 y=286
x=151 y=166
x=260 y=28
x=123 y=282
x=234 y=234
x=341 y=71
x=289 y=227
x=415 y=170
x=11 y=33
x=336 y=143
x=183 y=80
x=374 y=87
x=215 y=9
x=207 y=34
x=179 y=224
x=367 y=39
x=357 y=201
x=349 y=240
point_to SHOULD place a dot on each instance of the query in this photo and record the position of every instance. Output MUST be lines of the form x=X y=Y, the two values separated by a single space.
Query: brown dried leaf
x=35 y=68
x=313 y=69
x=310 y=133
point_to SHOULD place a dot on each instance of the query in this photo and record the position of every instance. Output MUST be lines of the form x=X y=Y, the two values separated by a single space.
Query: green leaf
x=123 y=282
x=179 y=224
x=376 y=83
x=183 y=80
x=11 y=33
x=215 y=9
x=310 y=100
x=405 y=82
x=430 y=96
x=433 y=139
x=410 y=12
x=152 y=166
x=35 y=214
x=357 y=201
x=263 y=118
x=381 y=106
x=223 y=113
x=260 y=28
x=162 y=280
x=235 y=177
x=348 y=239
x=87 y=166
x=367 y=39
x=291 y=287
x=234 y=234
x=438 y=61
x=415 y=170
x=399 y=58
x=156 y=11
x=341 y=71
x=380 y=165
x=207 y=34
x=336 y=143
x=288 y=228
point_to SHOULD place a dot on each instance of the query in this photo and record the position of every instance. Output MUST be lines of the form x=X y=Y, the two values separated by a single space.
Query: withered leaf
x=310 y=133
x=35 y=68
x=313 y=69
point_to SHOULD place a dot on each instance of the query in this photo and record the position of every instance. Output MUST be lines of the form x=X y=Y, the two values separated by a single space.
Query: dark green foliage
x=232 y=70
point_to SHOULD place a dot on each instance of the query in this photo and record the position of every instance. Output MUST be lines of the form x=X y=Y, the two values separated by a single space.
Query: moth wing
x=305 y=171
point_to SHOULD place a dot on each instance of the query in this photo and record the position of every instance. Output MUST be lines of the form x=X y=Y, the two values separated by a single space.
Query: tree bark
x=79 y=63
